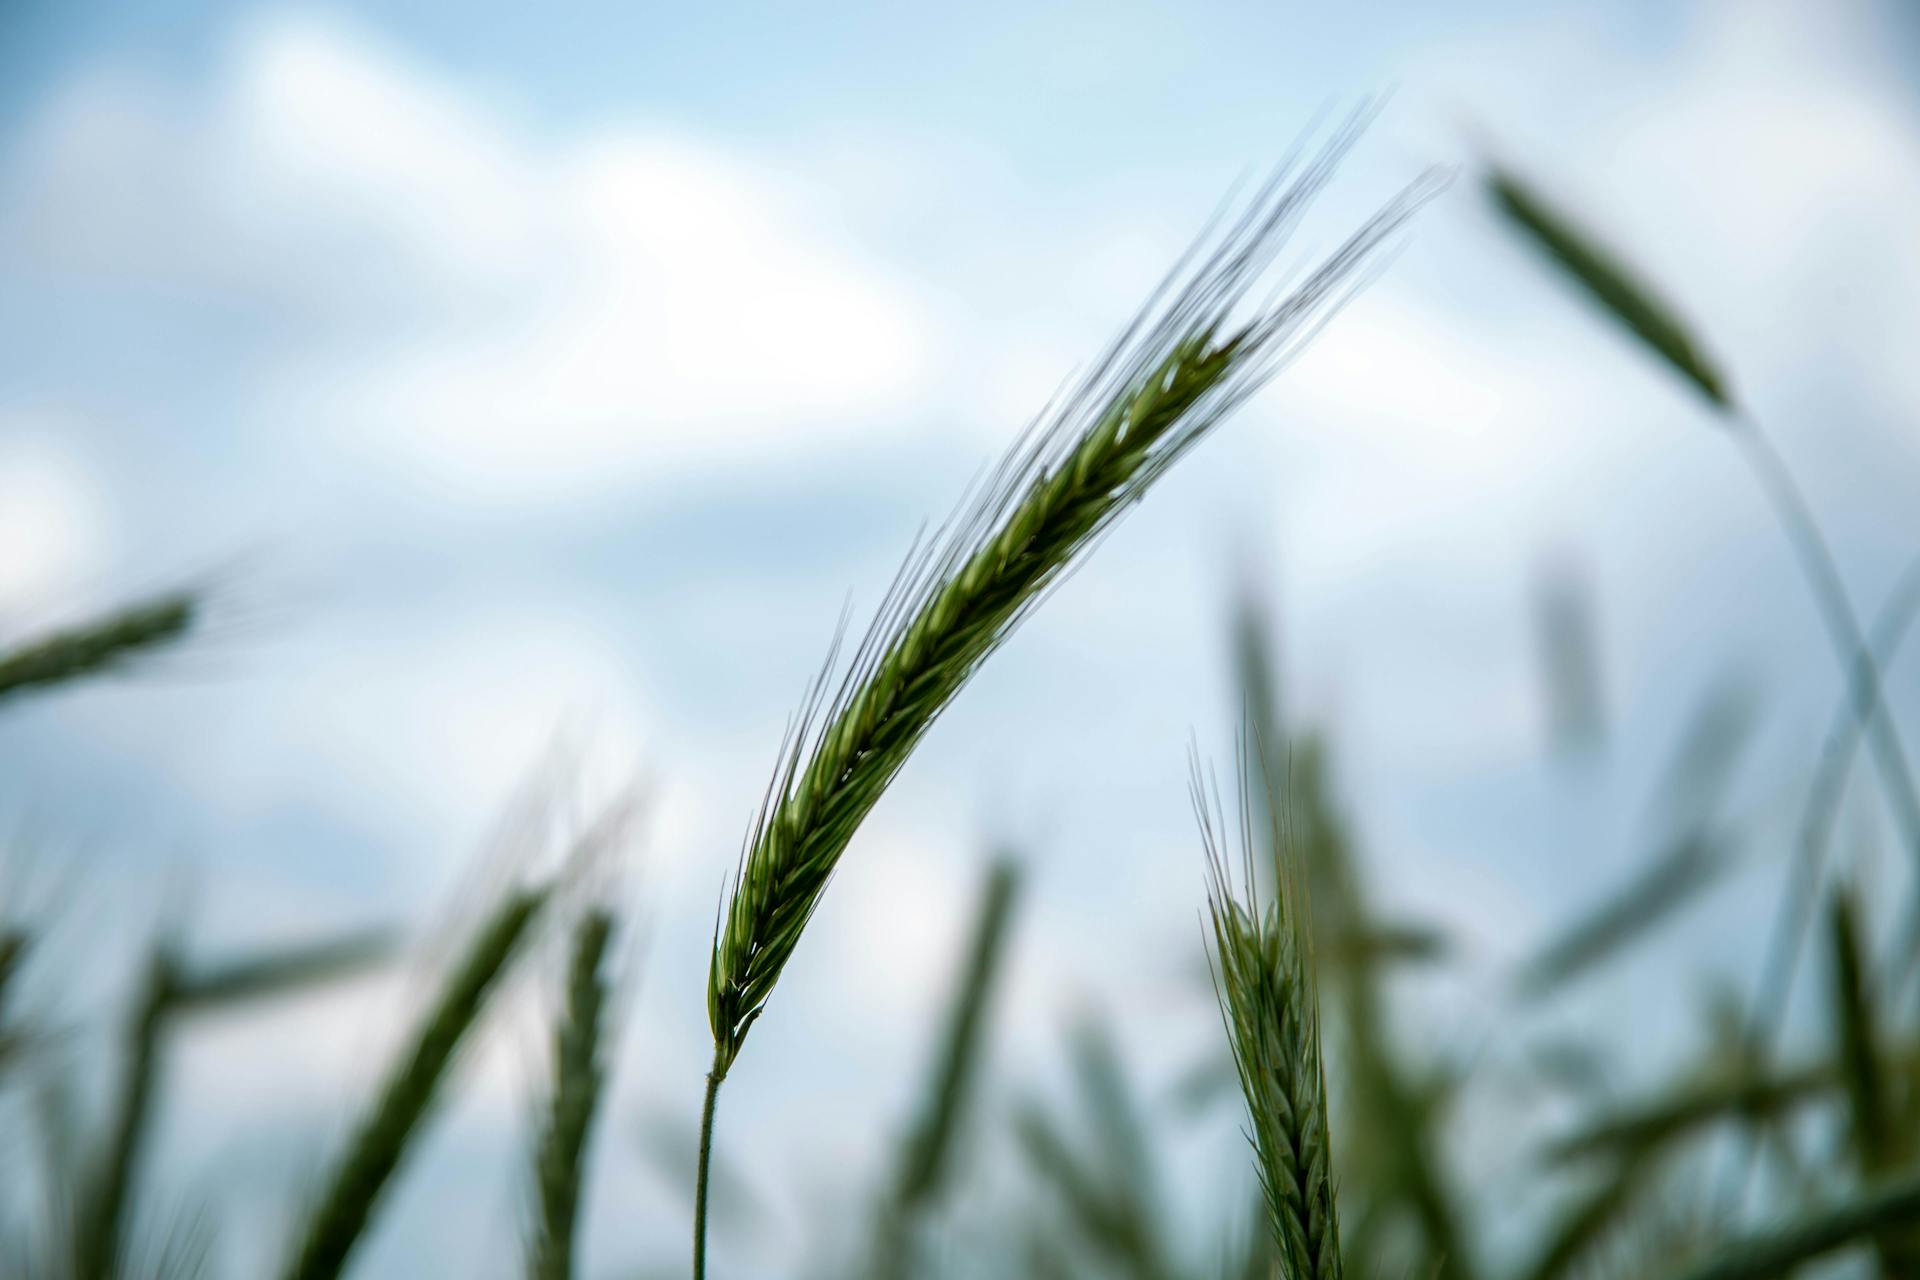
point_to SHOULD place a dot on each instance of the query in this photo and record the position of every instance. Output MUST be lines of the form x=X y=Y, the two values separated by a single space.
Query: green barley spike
x=1263 y=970
x=1610 y=284
x=97 y=647
x=1200 y=348
x=1172 y=377
x=579 y=1075
x=110 y=1190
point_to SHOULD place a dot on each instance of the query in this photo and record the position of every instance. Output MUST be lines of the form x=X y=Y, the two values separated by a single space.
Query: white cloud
x=450 y=727
x=697 y=323
x=1802 y=188
x=52 y=522
x=325 y=127
x=489 y=311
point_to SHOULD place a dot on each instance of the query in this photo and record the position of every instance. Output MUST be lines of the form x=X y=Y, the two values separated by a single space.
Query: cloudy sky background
x=541 y=382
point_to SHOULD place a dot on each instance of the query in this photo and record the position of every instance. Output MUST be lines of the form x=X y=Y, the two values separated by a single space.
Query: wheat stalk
x=1106 y=1179
x=1190 y=358
x=102 y=645
x=277 y=972
x=1821 y=812
x=1263 y=974
x=99 y=1244
x=927 y=1153
x=1777 y=1252
x=340 y=1217
x=13 y=950
x=1590 y=1220
x=1611 y=284
x=578 y=1076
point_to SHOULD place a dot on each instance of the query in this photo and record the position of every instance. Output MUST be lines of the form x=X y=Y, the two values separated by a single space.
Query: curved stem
x=1859 y=668
x=1843 y=627
x=705 y=1167
x=1817 y=821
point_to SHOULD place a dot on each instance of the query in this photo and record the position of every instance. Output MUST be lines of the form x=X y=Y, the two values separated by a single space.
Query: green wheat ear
x=106 y=644
x=1174 y=374
x=579 y=1079
x=1612 y=285
x=1263 y=974
x=1194 y=354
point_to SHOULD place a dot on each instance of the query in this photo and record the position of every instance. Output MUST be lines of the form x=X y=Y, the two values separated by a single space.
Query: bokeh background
x=544 y=382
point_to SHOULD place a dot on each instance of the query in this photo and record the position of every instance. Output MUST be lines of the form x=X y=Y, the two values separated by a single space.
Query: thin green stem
x=1858 y=665
x=1843 y=625
x=1778 y=1251
x=1817 y=822
x=704 y=1168
x=389 y=1131
x=103 y=1229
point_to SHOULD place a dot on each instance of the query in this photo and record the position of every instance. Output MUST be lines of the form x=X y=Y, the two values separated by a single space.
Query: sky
x=542 y=387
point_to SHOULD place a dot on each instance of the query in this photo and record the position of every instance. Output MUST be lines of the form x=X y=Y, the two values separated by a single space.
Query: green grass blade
x=1388 y=944
x=1109 y=1217
x=1683 y=1111
x=579 y=1074
x=1119 y=1127
x=183 y=1250
x=108 y=1193
x=1099 y=1221
x=1257 y=681
x=1770 y=1254
x=1413 y=1111
x=1818 y=818
x=282 y=971
x=1705 y=761
x=1859 y=666
x=1857 y=1038
x=1692 y=861
x=1673 y=879
x=13 y=950
x=13 y=1039
x=354 y=1189
x=927 y=1153
x=1876 y=1132
x=1107 y=1187
x=1609 y=283
x=1567 y=638
x=1584 y=1222
x=107 y=644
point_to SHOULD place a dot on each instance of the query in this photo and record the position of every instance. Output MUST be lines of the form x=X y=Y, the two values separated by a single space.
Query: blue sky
x=558 y=379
